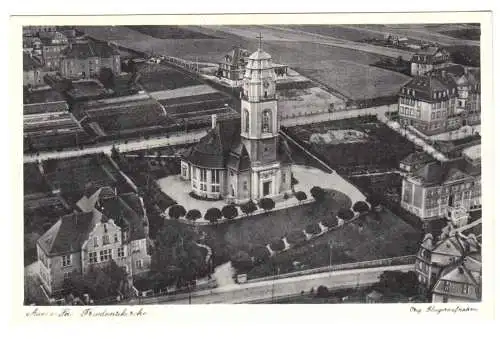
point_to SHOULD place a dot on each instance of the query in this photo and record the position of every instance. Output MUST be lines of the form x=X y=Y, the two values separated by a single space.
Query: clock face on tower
x=266 y=84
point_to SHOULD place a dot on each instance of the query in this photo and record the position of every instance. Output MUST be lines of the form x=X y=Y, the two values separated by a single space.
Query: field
x=383 y=149
x=355 y=80
x=293 y=102
x=340 y=32
x=170 y=32
x=381 y=235
x=155 y=77
x=295 y=49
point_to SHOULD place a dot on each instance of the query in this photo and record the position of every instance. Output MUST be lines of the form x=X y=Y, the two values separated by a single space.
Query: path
x=267 y=290
x=223 y=274
x=122 y=145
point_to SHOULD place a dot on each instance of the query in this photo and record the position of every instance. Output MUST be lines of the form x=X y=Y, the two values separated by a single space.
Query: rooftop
x=89 y=49
x=473 y=152
x=46 y=107
x=42 y=95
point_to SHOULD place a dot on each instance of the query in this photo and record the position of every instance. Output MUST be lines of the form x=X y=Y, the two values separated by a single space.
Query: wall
x=339 y=115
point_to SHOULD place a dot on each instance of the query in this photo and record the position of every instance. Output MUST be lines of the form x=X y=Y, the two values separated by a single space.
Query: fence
x=393 y=261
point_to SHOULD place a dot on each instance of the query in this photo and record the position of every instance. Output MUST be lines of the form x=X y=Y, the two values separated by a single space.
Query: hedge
x=313 y=229
x=278 y=245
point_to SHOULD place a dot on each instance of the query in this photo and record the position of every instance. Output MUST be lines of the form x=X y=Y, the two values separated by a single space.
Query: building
x=247 y=160
x=53 y=43
x=441 y=101
x=414 y=161
x=32 y=71
x=428 y=59
x=107 y=227
x=85 y=59
x=34 y=30
x=449 y=267
x=233 y=67
x=435 y=189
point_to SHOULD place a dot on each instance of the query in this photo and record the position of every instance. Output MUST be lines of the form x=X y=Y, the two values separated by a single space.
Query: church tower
x=260 y=124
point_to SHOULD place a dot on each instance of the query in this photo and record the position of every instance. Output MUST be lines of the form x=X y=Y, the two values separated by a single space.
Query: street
x=267 y=290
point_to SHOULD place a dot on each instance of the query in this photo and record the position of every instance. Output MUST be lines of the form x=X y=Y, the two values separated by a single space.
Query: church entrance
x=266 y=188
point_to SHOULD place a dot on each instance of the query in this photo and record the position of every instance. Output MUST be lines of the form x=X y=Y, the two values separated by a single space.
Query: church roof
x=213 y=149
x=260 y=55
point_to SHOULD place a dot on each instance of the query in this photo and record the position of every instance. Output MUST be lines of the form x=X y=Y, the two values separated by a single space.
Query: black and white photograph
x=252 y=164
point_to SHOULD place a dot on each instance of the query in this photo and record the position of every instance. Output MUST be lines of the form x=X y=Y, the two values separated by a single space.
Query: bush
x=330 y=222
x=301 y=196
x=193 y=215
x=229 y=211
x=260 y=254
x=278 y=245
x=176 y=211
x=345 y=214
x=266 y=204
x=296 y=237
x=294 y=181
x=361 y=207
x=313 y=229
x=241 y=261
x=322 y=292
x=213 y=214
x=374 y=200
x=318 y=193
x=248 y=207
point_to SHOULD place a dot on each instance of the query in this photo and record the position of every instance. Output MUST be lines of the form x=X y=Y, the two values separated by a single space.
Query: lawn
x=384 y=148
x=247 y=233
x=171 y=32
x=382 y=235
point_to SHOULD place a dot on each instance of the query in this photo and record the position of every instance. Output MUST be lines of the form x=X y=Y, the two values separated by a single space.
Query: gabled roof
x=417 y=158
x=456 y=277
x=237 y=56
x=89 y=49
x=439 y=173
x=69 y=233
x=428 y=55
x=239 y=159
x=424 y=87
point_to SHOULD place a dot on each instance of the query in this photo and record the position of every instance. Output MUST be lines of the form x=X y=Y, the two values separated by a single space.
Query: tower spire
x=260 y=40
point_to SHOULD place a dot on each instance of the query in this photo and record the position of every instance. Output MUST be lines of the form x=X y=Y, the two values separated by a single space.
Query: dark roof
x=439 y=173
x=284 y=152
x=428 y=55
x=424 y=87
x=239 y=159
x=89 y=49
x=69 y=233
x=416 y=158
x=212 y=150
x=124 y=216
x=47 y=107
x=237 y=56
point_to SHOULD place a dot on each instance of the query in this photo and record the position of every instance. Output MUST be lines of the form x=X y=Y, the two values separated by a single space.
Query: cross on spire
x=260 y=40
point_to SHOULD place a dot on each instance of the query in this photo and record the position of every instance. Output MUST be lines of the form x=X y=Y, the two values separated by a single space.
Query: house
x=233 y=66
x=53 y=43
x=84 y=59
x=436 y=189
x=108 y=226
x=414 y=161
x=428 y=59
x=249 y=159
x=441 y=101
x=449 y=267
x=32 y=71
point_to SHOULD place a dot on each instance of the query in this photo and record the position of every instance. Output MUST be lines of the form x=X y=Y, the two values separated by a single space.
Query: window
x=67 y=276
x=121 y=252
x=203 y=175
x=66 y=260
x=245 y=185
x=92 y=257
x=246 y=119
x=215 y=177
x=138 y=264
x=465 y=289
x=283 y=178
x=105 y=255
x=266 y=122
x=446 y=286
x=105 y=239
x=96 y=243
x=184 y=171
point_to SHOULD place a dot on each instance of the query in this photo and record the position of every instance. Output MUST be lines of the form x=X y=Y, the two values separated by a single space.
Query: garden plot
x=333 y=137
x=294 y=102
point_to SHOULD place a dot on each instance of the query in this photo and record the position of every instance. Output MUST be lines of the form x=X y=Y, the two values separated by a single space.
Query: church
x=239 y=161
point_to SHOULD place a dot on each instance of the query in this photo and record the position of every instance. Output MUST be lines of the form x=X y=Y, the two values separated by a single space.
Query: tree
x=330 y=222
x=278 y=245
x=213 y=214
x=248 y=207
x=322 y=292
x=107 y=77
x=267 y=204
x=176 y=211
x=260 y=254
x=374 y=200
x=242 y=261
x=295 y=237
x=318 y=193
x=193 y=215
x=361 y=207
x=229 y=211
x=313 y=228
x=345 y=214
x=301 y=196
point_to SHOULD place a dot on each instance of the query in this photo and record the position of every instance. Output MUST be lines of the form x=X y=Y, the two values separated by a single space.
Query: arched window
x=266 y=121
x=246 y=120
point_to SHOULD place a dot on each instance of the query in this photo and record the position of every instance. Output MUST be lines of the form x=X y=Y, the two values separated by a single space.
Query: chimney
x=214 y=120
